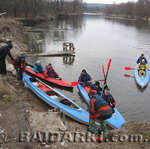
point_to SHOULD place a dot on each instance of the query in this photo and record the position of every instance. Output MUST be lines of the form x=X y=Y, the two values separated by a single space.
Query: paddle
x=106 y=75
x=108 y=67
x=77 y=83
x=129 y=68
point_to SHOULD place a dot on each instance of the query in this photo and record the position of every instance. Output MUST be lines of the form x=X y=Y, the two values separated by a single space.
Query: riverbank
x=21 y=110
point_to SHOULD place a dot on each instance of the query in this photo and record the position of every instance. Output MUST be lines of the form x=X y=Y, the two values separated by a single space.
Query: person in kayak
x=85 y=79
x=38 y=68
x=141 y=58
x=142 y=68
x=50 y=72
x=4 y=51
x=19 y=64
x=100 y=111
x=142 y=65
x=96 y=88
x=109 y=98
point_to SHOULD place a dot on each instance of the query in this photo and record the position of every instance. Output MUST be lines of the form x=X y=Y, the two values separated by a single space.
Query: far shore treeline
x=34 y=8
x=138 y=10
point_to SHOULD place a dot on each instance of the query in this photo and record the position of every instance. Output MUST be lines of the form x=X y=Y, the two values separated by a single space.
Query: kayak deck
x=142 y=81
x=60 y=81
x=58 y=100
x=116 y=121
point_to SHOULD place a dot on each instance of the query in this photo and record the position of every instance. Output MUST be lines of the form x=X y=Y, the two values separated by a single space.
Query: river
x=96 y=40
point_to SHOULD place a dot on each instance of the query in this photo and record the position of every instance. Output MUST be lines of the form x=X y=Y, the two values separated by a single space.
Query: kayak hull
x=116 y=121
x=142 y=81
x=77 y=114
x=57 y=82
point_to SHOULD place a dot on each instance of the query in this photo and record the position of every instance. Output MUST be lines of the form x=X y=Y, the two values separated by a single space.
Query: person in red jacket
x=50 y=72
x=19 y=64
x=99 y=110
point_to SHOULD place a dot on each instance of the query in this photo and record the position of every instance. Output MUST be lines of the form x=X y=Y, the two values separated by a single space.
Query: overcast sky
x=107 y=1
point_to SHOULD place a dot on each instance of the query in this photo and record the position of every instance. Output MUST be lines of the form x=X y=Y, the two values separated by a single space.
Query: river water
x=96 y=40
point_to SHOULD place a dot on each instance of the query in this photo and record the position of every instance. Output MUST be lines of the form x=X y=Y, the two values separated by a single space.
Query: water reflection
x=68 y=60
x=64 y=28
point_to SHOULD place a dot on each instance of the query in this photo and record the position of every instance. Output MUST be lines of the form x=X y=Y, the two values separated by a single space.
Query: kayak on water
x=56 y=99
x=56 y=81
x=142 y=77
x=116 y=121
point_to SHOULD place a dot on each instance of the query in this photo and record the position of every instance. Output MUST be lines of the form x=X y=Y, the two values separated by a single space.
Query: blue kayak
x=57 y=99
x=116 y=121
x=142 y=80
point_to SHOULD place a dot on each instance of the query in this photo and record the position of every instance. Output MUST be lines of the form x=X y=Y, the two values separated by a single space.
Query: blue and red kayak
x=56 y=99
x=116 y=121
x=142 y=78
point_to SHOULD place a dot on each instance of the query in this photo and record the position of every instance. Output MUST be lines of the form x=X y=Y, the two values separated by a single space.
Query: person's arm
x=113 y=102
x=9 y=54
x=4 y=41
x=35 y=69
x=45 y=73
x=138 y=61
x=93 y=106
x=89 y=78
x=42 y=68
x=146 y=61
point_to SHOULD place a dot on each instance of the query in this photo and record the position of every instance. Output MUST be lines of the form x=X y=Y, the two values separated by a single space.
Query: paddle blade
x=103 y=70
x=75 y=83
x=108 y=64
x=128 y=68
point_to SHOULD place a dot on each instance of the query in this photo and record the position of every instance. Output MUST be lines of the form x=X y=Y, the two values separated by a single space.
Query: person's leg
x=4 y=72
x=103 y=126
x=92 y=126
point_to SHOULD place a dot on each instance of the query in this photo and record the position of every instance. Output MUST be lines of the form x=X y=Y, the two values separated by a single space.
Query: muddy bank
x=21 y=110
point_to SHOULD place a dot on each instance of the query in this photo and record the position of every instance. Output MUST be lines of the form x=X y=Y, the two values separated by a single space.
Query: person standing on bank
x=19 y=64
x=4 y=51
x=100 y=111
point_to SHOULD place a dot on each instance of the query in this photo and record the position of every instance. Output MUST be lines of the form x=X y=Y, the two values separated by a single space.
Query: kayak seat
x=33 y=79
x=50 y=93
x=66 y=102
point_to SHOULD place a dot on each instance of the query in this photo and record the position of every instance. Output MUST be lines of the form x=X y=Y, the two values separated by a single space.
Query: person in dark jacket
x=141 y=58
x=108 y=97
x=38 y=68
x=19 y=64
x=85 y=79
x=4 y=51
x=50 y=72
x=100 y=111
x=96 y=87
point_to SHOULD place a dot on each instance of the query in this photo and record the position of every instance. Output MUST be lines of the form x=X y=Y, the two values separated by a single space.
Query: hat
x=84 y=70
x=10 y=46
x=97 y=83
